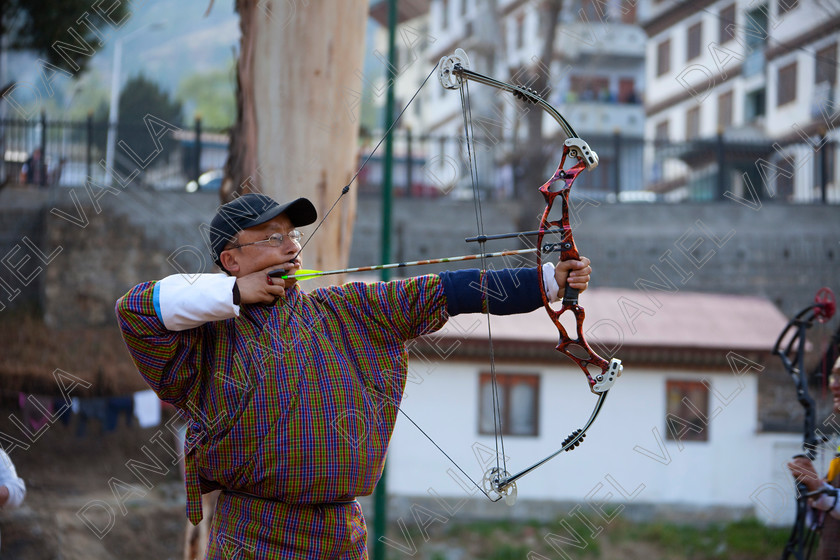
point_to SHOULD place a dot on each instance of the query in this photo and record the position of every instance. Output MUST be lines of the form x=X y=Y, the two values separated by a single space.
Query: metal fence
x=632 y=169
x=44 y=153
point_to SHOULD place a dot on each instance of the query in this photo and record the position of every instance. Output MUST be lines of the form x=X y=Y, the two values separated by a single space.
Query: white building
x=595 y=73
x=763 y=74
x=678 y=435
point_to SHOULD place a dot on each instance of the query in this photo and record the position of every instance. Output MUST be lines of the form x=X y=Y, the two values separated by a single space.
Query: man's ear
x=229 y=262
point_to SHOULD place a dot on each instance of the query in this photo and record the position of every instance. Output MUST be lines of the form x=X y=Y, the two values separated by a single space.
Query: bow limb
x=790 y=348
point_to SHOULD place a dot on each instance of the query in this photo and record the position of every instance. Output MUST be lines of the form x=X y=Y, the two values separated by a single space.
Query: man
x=32 y=172
x=293 y=396
x=803 y=469
x=12 y=488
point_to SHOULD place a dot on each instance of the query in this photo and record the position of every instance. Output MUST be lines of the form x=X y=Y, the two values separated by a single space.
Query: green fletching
x=304 y=274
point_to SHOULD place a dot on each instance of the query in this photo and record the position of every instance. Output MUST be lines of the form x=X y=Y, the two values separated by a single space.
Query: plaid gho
x=292 y=407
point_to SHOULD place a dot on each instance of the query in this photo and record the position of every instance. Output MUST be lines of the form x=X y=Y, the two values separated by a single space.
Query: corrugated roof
x=638 y=319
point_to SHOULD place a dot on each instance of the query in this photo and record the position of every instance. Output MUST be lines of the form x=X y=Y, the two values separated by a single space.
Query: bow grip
x=570 y=295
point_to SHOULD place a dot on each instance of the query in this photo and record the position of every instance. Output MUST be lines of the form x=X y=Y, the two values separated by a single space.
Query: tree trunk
x=296 y=132
x=537 y=149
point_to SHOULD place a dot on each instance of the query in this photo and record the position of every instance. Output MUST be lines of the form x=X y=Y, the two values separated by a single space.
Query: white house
x=678 y=434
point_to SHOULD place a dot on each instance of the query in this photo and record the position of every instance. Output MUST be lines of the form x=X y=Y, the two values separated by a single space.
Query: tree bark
x=296 y=132
x=537 y=149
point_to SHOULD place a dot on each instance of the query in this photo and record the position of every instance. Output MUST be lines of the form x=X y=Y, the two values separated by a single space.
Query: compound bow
x=454 y=72
x=803 y=540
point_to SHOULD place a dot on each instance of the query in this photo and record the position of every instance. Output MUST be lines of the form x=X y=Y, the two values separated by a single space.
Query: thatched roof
x=32 y=352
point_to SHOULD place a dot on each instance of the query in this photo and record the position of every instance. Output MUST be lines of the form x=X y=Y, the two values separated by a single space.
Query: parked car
x=208 y=181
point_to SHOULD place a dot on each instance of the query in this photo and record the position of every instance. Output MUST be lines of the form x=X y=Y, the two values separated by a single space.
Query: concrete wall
x=782 y=252
x=90 y=251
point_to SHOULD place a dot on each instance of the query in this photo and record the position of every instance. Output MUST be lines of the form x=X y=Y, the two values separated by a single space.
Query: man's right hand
x=258 y=287
x=803 y=470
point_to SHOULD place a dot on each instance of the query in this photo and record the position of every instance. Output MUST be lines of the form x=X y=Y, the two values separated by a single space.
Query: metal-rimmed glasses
x=275 y=239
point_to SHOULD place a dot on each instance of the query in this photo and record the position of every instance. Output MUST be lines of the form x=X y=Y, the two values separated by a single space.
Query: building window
x=628 y=11
x=826 y=65
x=787 y=5
x=786 y=84
x=663 y=57
x=756 y=29
x=688 y=410
x=520 y=31
x=725 y=20
x=591 y=88
x=518 y=397
x=464 y=7
x=695 y=37
x=824 y=164
x=724 y=110
x=785 y=176
x=590 y=11
x=627 y=91
x=661 y=132
x=692 y=123
x=754 y=105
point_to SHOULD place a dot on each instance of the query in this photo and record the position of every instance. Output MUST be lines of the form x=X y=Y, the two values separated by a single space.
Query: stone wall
x=80 y=250
x=103 y=246
x=782 y=252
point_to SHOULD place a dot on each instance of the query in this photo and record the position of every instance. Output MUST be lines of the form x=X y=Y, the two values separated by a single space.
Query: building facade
x=761 y=75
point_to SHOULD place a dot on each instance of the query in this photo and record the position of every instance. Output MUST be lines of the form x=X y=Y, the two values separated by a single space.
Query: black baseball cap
x=251 y=210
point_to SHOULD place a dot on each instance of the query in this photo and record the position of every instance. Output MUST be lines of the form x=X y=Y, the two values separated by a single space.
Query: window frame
x=507 y=381
x=726 y=19
x=663 y=57
x=786 y=84
x=678 y=412
x=694 y=41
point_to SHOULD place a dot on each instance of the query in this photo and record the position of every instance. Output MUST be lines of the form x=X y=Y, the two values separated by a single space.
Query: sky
x=164 y=39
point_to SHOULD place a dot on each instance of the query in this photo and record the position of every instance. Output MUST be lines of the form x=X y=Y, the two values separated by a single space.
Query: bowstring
x=344 y=190
x=469 y=137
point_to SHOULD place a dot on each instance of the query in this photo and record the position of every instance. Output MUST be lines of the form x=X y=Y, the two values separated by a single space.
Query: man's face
x=240 y=261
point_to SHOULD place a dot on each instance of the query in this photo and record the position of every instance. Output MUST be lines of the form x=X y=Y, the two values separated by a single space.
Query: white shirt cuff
x=827 y=502
x=186 y=301
x=552 y=289
x=10 y=479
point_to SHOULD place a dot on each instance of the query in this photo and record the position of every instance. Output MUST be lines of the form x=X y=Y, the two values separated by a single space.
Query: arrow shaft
x=415 y=263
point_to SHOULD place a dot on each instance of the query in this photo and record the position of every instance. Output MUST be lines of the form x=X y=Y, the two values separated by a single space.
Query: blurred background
x=711 y=219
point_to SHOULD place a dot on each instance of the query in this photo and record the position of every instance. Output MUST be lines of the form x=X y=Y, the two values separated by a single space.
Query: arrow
x=308 y=274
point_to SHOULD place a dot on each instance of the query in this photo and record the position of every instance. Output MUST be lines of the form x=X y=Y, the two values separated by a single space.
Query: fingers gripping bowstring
x=469 y=143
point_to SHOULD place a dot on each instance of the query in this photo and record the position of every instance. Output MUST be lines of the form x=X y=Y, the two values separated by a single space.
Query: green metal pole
x=380 y=495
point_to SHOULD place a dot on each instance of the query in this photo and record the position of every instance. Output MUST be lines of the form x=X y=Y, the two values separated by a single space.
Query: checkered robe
x=292 y=407
x=829 y=547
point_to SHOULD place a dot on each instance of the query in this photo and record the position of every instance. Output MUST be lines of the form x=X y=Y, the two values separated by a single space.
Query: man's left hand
x=575 y=272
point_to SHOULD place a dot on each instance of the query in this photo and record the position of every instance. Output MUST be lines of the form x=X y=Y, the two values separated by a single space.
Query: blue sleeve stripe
x=156 y=301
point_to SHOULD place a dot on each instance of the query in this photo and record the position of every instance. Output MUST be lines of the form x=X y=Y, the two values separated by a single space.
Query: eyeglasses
x=275 y=239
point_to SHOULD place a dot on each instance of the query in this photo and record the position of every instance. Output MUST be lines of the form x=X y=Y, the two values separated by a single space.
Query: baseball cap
x=251 y=210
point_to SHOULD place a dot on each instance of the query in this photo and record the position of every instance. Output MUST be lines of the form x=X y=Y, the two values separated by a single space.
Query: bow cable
x=469 y=137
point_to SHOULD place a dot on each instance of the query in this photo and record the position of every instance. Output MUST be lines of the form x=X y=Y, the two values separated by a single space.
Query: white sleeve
x=10 y=479
x=827 y=502
x=185 y=301
x=552 y=288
